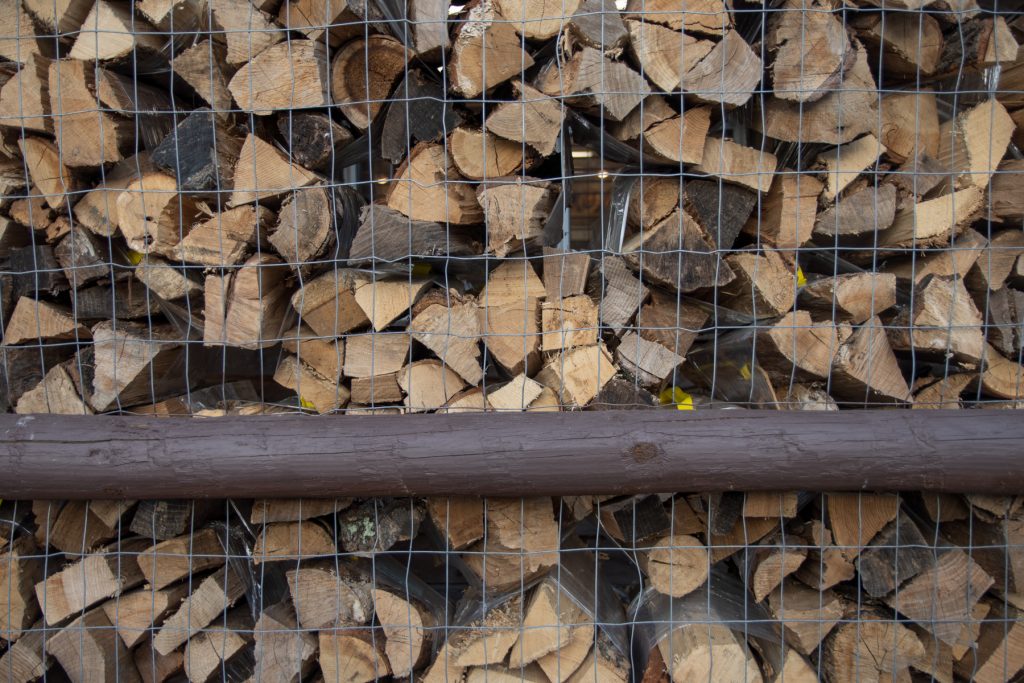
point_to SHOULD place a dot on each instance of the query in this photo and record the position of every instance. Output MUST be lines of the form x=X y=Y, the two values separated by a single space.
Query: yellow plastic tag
x=745 y=371
x=134 y=257
x=306 y=404
x=675 y=395
x=800 y=279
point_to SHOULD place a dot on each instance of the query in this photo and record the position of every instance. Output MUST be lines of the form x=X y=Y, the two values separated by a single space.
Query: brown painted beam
x=62 y=457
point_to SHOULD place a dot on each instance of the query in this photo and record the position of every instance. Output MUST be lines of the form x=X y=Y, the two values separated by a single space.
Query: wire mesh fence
x=726 y=587
x=509 y=205
x=254 y=207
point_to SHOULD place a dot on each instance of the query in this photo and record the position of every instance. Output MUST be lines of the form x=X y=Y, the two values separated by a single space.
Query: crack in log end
x=646 y=451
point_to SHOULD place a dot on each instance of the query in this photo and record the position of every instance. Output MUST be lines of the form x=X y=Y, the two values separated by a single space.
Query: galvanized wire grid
x=602 y=561
x=593 y=177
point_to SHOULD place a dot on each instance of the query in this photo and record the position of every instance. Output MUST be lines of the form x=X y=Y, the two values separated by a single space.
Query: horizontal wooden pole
x=64 y=457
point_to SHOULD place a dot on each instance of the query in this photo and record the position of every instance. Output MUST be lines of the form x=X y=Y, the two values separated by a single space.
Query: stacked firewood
x=727 y=587
x=354 y=206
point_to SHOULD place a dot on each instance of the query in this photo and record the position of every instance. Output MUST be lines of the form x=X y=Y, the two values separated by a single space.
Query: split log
x=210 y=598
x=201 y=153
x=681 y=138
x=650 y=362
x=852 y=297
x=161 y=520
x=363 y=73
x=797 y=348
x=77 y=529
x=283 y=653
x=607 y=87
x=384 y=301
x=899 y=552
x=167 y=282
x=134 y=363
x=658 y=256
x=307 y=227
x=328 y=595
x=802 y=34
x=521 y=542
x=311 y=138
x=263 y=172
x=408 y=630
x=202 y=67
x=386 y=235
x=26 y=660
x=479 y=155
x=226 y=239
x=374 y=356
x=428 y=385
x=911 y=42
x=111 y=32
x=728 y=75
x=711 y=17
x=995 y=262
x=769 y=563
x=510 y=316
x=245 y=30
x=333 y=23
x=665 y=56
x=866 y=368
x=416 y=192
x=910 y=126
x=764 y=284
x=97 y=209
x=134 y=614
x=328 y=305
x=535 y=119
x=826 y=564
x=943 y=320
x=515 y=213
x=88 y=649
x=280 y=541
x=21 y=570
x=40 y=322
x=845 y=112
x=941 y=598
x=458 y=518
x=246 y=307
x=174 y=559
x=485 y=52
x=568 y=322
x=287 y=75
x=430 y=27
x=856 y=217
x=972 y=145
x=153 y=216
x=85 y=583
x=86 y=133
x=807 y=616
x=577 y=375
x=788 y=210
x=565 y=273
x=453 y=334
x=20 y=42
x=696 y=650
x=57 y=394
x=932 y=222
x=999 y=652
x=1005 y=321
x=874 y=646
x=25 y=97
x=356 y=656
x=206 y=654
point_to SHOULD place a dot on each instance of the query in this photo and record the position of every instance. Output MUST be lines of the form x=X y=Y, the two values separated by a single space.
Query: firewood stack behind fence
x=353 y=208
